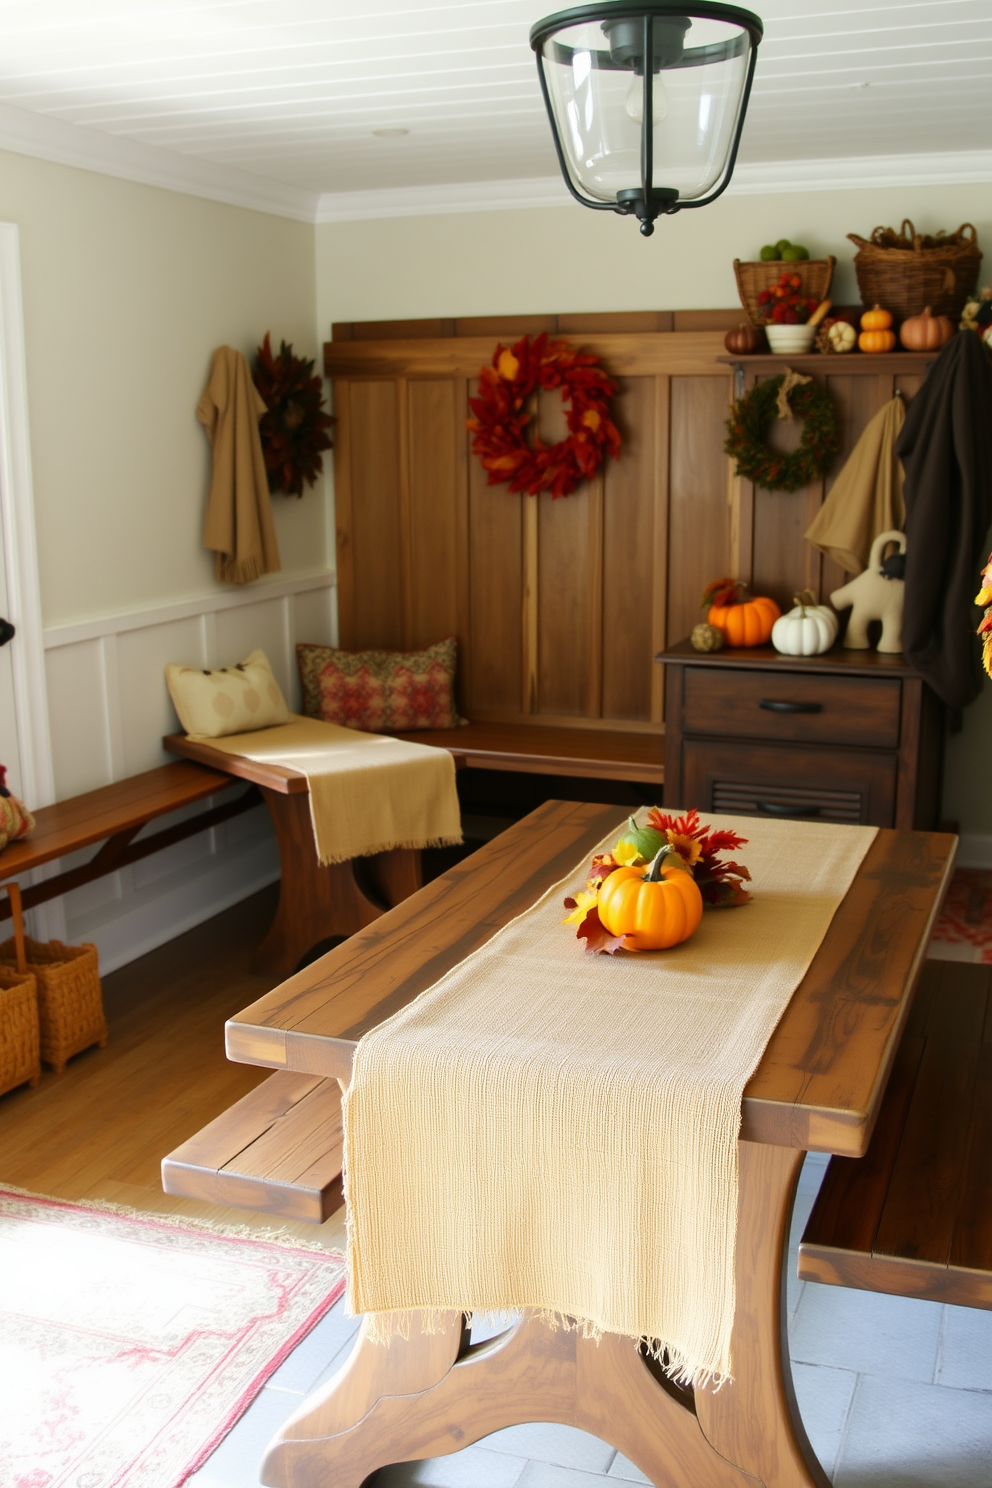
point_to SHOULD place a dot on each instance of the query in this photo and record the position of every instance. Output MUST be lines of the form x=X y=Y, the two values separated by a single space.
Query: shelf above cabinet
x=859 y=362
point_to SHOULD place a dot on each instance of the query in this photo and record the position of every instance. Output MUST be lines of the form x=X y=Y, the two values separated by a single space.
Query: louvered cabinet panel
x=813 y=782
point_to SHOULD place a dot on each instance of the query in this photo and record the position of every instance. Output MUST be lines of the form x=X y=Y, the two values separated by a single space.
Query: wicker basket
x=20 y=1059
x=752 y=278
x=70 y=999
x=905 y=272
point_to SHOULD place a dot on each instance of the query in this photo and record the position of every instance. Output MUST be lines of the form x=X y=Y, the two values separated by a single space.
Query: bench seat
x=913 y=1217
x=544 y=749
x=278 y=1150
x=114 y=815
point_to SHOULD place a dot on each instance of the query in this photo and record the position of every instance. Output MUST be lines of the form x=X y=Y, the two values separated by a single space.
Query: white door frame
x=19 y=540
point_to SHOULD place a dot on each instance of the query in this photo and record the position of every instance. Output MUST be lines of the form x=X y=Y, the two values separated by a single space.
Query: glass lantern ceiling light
x=646 y=140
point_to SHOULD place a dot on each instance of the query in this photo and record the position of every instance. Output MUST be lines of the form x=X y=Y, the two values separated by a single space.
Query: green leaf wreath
x=294 y=430
x=747 y=435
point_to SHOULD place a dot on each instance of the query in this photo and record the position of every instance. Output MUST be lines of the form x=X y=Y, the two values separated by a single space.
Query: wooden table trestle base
x=316 y=901
x=819 y=1086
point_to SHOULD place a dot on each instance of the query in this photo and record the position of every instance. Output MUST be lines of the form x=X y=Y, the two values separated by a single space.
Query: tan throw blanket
x=555 y=1133
x=866 y=498
x=368 y=793
x=238 y=525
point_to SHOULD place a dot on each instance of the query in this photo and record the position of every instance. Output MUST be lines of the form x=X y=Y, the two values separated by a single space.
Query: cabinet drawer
x=836 y=785
x=791 y=706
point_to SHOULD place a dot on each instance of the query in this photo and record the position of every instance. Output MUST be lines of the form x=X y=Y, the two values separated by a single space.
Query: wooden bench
x=543 y=749
x=278 y=1150
x=316 y=901
x=114 y=815
x=913 y=1217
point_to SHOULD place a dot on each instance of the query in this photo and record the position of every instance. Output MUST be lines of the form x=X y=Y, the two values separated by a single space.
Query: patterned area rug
x=130 y=1345
x=964 y=930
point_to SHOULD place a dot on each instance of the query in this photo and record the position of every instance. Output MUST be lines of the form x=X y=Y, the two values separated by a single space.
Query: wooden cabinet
x=851 y=736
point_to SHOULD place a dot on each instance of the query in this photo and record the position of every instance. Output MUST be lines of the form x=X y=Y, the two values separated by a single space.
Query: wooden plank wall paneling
x=560 y=606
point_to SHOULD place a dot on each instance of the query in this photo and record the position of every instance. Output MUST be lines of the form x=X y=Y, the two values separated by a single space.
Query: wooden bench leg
x=315 y=902
x=397 y=874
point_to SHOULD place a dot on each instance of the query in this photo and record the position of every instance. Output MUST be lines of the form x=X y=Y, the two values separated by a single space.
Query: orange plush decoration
x=744 y=621
x=652 y=910
x=502 y=414
x=876 y=331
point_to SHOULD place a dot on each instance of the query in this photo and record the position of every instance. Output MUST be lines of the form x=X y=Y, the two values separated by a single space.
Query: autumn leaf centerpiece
x=649 y=892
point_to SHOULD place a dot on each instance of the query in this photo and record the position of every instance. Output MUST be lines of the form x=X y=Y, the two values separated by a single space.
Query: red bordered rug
x=130 y=1345
x=964 y=930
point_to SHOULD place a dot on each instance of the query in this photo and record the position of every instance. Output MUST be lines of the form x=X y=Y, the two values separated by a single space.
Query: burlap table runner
x=555 y=1133
x=368 y=793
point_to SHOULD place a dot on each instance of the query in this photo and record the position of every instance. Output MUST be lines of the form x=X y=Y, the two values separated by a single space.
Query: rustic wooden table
x=316 y=901
x=819 y=1086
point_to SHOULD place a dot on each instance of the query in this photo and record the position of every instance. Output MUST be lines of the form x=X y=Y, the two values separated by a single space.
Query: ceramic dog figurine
x=874 y=595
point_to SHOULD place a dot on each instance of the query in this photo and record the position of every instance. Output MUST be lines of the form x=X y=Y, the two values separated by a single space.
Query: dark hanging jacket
x=946 y=450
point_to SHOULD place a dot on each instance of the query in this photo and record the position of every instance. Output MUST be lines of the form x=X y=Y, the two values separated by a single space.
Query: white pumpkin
x=807 y=630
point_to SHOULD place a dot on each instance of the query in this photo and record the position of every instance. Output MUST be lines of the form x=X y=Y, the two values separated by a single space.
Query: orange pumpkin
x=876 y=319
x=925 y=332
x=744 y=621
x=875 y=341
x=651 y=909
x=876 y=332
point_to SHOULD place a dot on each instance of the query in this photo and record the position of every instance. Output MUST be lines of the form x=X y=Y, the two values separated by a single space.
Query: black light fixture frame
x=647 y=202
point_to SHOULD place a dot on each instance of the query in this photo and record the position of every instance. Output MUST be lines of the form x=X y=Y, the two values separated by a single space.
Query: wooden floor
x=100 y=1130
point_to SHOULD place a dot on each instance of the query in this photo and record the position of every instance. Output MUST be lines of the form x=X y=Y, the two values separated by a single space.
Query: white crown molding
x=863 y=173
x=222 y=599
x=433 y=201
x=44 y=138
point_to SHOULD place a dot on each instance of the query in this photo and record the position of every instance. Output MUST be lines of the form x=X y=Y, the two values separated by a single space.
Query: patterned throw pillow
x=381 y=691
x=227 y=700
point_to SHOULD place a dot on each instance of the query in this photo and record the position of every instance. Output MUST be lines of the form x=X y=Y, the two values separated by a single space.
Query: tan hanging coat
x=867 y=495
x=238 y=524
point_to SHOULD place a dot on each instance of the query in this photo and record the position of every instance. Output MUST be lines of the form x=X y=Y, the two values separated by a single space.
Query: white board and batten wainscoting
x=108 y=709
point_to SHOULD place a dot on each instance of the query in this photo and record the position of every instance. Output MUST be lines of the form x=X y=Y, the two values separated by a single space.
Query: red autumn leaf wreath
x=294 y=430
x=501 y=416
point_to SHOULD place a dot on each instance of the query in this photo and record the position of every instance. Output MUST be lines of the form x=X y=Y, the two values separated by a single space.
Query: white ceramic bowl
x=790 y=340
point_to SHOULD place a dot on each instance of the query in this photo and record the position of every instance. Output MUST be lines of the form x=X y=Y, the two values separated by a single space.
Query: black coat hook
x=7 y=631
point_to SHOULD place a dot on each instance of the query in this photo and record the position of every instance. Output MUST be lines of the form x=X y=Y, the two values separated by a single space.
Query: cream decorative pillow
x=230 y=700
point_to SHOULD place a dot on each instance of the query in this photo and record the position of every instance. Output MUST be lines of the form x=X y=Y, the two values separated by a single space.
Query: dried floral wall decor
x=501 y=416
x=294 y=430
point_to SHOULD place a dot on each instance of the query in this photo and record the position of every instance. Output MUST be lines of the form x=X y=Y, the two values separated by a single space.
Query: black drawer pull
x=772 y=808
x=772 y=705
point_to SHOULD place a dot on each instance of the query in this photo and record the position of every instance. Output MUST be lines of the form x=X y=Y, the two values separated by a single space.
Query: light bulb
x=634 y=102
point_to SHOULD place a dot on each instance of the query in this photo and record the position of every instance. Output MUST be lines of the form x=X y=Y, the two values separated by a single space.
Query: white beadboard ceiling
x=282 y=97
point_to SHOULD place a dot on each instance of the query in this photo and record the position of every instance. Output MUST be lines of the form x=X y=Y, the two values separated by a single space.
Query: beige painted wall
x=568 y=258
x=571 y=259
x=127 y=290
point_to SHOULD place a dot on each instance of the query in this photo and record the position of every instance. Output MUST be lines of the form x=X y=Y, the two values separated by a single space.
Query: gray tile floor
x=894 y=1394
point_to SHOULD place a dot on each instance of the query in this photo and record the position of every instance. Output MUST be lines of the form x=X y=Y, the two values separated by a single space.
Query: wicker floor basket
x=753 y=277
x=20 y=1058
x=905 y=272
x=70 y=999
